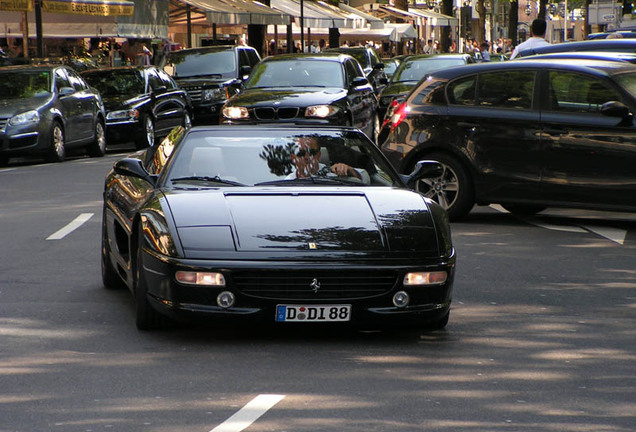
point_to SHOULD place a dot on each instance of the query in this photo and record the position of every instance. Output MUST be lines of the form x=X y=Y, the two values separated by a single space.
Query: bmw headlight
x=131 y=114
x=25 y=118
x=214 y=94
x=235 y=113
x=320 y=111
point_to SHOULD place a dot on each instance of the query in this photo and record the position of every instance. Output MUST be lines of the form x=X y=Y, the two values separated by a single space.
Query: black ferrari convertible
x=282 y=225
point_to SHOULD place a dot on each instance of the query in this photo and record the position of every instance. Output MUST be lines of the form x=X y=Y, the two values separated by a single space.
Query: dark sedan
x=524 y=134
x=46 y=111
x=143 y=103
x=281 y=225
x=370 y=62
x=319 y=89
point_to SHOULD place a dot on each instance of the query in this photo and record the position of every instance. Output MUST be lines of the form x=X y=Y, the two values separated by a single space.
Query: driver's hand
x=344 y=170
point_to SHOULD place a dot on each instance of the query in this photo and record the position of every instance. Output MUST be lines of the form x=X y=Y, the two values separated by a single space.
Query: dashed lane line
x=75 y=224
x=249 y=413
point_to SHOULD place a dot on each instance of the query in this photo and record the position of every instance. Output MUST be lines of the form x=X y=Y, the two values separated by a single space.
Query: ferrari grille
x=314 y=285
x=275 y=113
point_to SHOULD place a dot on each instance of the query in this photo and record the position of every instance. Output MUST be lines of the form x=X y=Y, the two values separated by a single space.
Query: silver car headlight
x=130 y=114
x=213 y=94
x=320 y=111
x=236 y=113
x=25 y=118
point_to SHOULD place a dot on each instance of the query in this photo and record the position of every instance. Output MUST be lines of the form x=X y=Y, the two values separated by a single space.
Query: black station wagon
x=527 y=135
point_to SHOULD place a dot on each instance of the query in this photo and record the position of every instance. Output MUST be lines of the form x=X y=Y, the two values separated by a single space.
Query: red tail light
x=398 y=115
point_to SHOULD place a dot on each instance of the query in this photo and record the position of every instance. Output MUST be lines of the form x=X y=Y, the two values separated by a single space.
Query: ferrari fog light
x=200 y=278
x=425 y=278
x=225 y=300
x=401 y=299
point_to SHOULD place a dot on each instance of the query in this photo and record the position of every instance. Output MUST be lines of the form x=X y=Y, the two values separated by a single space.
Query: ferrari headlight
x=425 y=278
x=25 y=118
x=214 y=94
x=130 y=114
x=200 y=278
x=234 y=113
x=320 y=111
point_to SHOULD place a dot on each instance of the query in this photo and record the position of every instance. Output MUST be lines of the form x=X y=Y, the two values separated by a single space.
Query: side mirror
x=65 y=91
x=383 y=81
x=359 y=81
x=616 y=109
x=160 y=90
x=245 y=71
x=378 y=66
x=133 y=168
x=423 y=169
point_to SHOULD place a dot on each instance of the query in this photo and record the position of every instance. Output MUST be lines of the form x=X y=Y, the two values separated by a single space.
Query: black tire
x=524 y=209
x=98 y=147
x=147 y=139
x=147 y=318
x=57 y=147
x=110 y=277
x=453 y=190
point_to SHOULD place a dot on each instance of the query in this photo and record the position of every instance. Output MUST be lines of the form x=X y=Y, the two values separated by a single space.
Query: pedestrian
x=537 y=29
x=428 y=49
x=485 y=51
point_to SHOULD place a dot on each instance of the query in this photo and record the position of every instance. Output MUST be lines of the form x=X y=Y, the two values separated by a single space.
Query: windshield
x=296 y=73
x=628 y=82
x=24 y=84
x=230 y=158
x=127 y=83
x=194 y=63
x=416 y=70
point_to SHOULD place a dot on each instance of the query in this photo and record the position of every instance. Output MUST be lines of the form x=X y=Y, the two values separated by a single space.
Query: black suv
x=370 y=62
x=524 y=134
x=211 y=76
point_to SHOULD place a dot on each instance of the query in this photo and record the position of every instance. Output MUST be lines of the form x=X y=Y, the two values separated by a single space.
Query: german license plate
x=313 y=313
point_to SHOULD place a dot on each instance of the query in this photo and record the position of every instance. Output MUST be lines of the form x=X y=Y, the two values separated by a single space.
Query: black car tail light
x=399 y=115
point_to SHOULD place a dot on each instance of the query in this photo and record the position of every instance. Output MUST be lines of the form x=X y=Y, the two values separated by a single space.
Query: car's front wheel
x=147 y=318
x=98 y=146
x=147 y=139
x=57 y=147
x=453 y=190
x=110 y=278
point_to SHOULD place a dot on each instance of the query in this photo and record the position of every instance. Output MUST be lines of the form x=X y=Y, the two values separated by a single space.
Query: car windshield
x=415 y=70
x=183 y=64
x=24 y=84
x=628 y=82
x=117 y=83
x=297 y=73
x=358 y=54
x=230 y=158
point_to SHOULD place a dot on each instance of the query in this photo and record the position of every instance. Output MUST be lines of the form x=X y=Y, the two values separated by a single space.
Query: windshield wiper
x=312 y=179
x=215 y=179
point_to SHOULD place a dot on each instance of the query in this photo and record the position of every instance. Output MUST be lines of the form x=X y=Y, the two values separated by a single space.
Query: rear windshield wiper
x=208 y=179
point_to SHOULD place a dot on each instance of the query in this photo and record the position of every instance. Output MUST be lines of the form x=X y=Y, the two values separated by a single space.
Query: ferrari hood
x=347 y=221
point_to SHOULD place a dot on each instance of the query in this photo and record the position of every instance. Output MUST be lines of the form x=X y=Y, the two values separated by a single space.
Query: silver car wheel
x=443 y=189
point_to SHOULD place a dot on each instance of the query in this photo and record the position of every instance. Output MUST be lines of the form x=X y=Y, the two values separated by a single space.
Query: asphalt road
x=541 y=337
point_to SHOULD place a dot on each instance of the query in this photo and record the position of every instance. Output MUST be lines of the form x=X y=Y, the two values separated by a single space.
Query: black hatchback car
x=524 y=134
x=318 y=89
x=371 y=63
x=46 y=110
x=211 y=75
x=143 y=103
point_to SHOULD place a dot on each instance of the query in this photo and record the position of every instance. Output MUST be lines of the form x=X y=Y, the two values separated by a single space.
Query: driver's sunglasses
x=311 y=152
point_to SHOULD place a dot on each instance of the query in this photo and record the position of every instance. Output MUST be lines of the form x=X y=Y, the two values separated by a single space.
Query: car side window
x=153 y=80
x=253 y=58
x=243 y=59
x=61 y=79
x=76 y=81
x=573 y=92
x=462 y=91
x=353 y=71
x=166 y=80
x=509 y=89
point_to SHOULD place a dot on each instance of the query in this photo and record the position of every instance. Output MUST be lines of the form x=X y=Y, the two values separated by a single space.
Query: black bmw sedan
x=46 y=111
x=143 y=103
x=524 y=134
x=318 y=89
x=280 y=225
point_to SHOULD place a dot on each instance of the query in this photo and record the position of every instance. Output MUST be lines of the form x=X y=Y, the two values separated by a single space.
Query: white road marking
x=76 y=223
x=249 y=413
x=614 y=234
